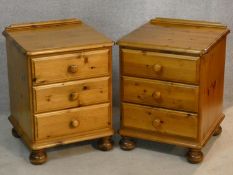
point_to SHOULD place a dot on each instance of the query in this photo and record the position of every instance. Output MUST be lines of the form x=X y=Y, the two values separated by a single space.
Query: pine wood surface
x=68 y=67
x=160 y=93
x=177 y=68
x=71 y=94
x=55 y=36
x=172 y=79
x=159 y=120
x=67 y=122
x=60 y=79
x=181 y=36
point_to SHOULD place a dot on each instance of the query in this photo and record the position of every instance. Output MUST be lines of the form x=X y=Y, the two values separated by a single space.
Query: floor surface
x=149 y=158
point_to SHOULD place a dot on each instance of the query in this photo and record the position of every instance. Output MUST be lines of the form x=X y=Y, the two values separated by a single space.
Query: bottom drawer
x=73 y=121
x=159 y=120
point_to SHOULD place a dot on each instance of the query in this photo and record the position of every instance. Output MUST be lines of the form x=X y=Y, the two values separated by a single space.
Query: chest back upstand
x=172 y=76
x=60 y=85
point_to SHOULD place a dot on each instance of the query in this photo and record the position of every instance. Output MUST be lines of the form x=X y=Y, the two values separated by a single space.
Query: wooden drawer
x=160 y=66
x=71 y=94
x=70 y=66
x=160 y=93
x=73 y=121
x=159 y=120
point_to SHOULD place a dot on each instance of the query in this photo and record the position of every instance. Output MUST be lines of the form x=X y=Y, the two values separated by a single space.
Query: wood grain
x=57 y=68
x=71 y=94
x=19 y=82
x=56 y=36
x=60 y=80
x=179 y=38
x=171 y=68
x=159 y=120
x=211 y=88
x=186 y=22
x=59 y=123
x=161 y=94
x=175 y=68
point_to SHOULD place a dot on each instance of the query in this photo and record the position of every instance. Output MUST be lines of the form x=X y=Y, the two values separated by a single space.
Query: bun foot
x=195 y=156
x=105 y=144
x=127 y=144
x=14 y=133
x=38 y=157
x=217 y=131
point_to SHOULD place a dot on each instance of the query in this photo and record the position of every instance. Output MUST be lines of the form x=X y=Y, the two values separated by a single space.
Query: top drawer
x=70 y=66
x=177 y=68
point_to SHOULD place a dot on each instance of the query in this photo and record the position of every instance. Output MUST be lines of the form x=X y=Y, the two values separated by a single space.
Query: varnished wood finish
x=71 y=94
x=38 y=157
x=159 y=120
x=211 y=88
x=127 y=144
x=160 y=93
x=68 y=122
x=172 y=77
x=169 y=36
x=194 y=156
x=160 y=66
x=19 y=88
x=50 y=37
x=70 y=66
x=105 y=144
x=60 y=81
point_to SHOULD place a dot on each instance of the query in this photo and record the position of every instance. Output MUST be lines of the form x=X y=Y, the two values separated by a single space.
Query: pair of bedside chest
x=172 y=75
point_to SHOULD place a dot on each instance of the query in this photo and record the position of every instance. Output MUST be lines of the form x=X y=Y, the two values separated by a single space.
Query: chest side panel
x=211 y=89
x=19 y=88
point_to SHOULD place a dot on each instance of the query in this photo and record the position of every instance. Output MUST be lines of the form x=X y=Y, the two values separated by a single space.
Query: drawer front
x=160 y=66
x=161 y=94
x=73 y=121
x=159 y=120
x=71 y=94
x=70 y=66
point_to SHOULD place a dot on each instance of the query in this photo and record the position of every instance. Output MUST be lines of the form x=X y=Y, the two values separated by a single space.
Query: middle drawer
x=71 y=94
x=160 y=93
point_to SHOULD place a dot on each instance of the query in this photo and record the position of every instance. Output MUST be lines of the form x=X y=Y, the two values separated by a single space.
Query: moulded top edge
x=185 y=22
x=41 y=24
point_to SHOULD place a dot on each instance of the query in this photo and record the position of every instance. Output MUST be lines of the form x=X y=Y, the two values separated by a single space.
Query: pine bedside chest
x=172 y=76
x=60 y=85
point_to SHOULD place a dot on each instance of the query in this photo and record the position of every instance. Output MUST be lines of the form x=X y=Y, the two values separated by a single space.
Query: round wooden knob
x=157 y=68
x=74 y=123
x=73 y=96
x=156 y=95
x=156 y=123
x=72 y=69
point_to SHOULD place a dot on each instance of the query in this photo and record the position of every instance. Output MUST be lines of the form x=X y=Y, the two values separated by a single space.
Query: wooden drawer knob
x=73 y=96
x=74 y=123
x=156 y=95
x=72 y=69
x=156 y=123
x=157 y=68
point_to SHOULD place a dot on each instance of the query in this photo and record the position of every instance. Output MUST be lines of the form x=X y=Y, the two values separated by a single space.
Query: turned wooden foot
x=127 y=144
x=217 y=131
x=105 y=144
x=38 y=157
x=194 y=156
x=14 y=133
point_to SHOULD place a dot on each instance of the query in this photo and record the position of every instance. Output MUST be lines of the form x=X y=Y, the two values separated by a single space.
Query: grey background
x=114 y=18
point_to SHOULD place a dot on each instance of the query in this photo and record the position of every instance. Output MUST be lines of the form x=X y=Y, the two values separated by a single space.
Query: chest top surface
x=50 y=36
x=176 y=35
